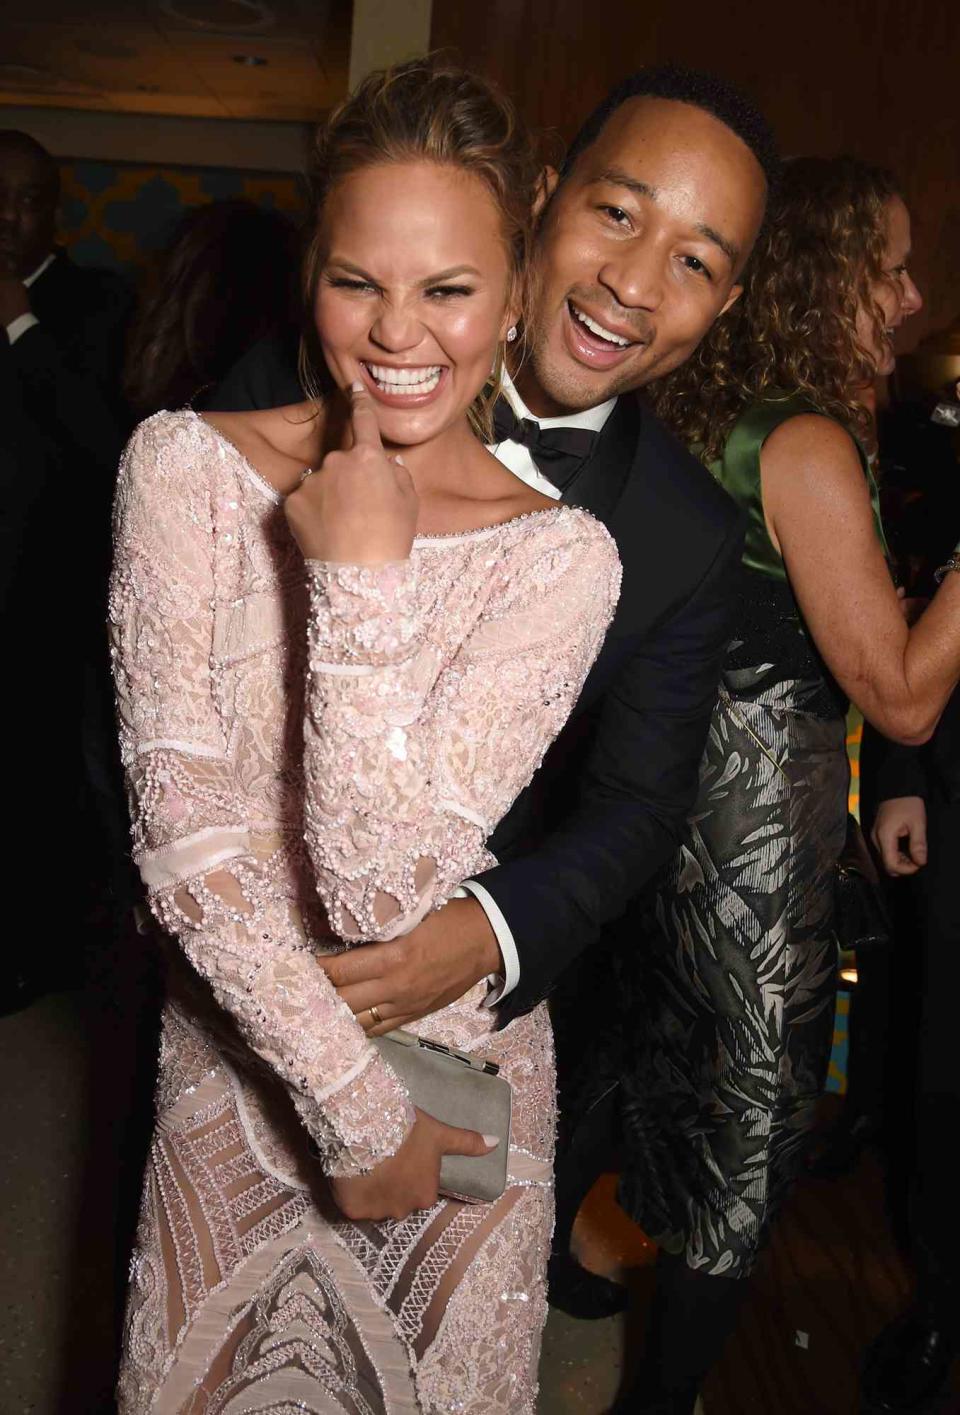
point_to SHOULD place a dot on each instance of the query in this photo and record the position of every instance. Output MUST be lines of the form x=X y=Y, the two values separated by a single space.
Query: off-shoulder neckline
x=277 y=497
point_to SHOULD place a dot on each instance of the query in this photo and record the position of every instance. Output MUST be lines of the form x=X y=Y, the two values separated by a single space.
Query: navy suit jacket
x=608 y=807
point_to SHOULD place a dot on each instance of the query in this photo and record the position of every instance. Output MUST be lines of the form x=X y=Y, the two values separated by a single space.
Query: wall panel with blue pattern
x=120 y=215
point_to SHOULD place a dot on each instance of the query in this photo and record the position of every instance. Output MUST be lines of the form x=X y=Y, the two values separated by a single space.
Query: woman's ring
x=377 y=1019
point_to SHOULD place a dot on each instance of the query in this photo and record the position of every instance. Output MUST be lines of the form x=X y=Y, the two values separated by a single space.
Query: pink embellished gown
x=315 y=756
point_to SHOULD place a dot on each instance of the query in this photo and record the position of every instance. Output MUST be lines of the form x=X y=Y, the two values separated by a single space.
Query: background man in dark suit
x=33 y=662
x=65 y=324
x=63 y=338
x=917 y=831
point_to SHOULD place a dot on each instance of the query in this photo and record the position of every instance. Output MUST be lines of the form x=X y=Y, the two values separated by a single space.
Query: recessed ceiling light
x=221 y=16
x=252 y=61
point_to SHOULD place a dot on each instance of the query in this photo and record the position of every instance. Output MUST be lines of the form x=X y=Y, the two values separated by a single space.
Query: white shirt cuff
x=508 y=949
x=20 y=325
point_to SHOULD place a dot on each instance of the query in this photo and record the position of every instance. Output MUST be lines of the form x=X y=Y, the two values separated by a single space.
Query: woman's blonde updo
x=425 y=110
x=817 y=262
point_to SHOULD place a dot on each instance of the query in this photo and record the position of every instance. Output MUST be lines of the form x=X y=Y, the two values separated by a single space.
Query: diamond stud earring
x=511 y=333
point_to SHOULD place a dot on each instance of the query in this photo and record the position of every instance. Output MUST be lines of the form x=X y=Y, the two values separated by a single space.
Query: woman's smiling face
x=895 y=294
x=415 y=292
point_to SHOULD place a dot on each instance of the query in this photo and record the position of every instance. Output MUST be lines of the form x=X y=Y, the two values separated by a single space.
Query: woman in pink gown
x=331 y=688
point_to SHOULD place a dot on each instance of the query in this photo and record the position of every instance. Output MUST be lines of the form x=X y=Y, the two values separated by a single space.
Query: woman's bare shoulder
x=279 y=428
x=277 y=442
x=809 y=437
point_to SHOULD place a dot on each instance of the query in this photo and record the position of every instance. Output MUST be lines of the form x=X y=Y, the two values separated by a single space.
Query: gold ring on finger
x=377 y=1019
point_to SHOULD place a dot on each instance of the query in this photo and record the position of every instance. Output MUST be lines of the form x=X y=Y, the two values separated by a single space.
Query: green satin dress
x=739 y=982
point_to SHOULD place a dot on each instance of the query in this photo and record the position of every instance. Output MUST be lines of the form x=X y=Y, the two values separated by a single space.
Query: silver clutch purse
x=462 y=1090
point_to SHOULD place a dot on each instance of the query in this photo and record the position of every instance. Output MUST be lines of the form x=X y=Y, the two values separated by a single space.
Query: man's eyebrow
x=728 y=248
x=618 y=178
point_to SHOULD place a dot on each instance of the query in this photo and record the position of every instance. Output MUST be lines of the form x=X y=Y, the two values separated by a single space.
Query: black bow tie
x=559 y=452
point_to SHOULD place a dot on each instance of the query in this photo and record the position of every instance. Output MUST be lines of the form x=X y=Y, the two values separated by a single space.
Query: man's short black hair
x=707 y=91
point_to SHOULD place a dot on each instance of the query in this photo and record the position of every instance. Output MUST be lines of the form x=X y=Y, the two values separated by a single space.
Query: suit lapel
x=50 y=292
x=598 y=485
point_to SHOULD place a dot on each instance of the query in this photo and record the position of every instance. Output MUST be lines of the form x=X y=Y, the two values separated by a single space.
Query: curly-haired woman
x=741 y=989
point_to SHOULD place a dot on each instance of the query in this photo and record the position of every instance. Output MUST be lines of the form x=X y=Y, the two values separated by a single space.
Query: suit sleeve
x=901 y=771
x=638 y=785
x=76 y=404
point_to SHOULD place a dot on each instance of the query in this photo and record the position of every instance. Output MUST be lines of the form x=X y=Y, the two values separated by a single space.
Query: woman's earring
x=511 y=333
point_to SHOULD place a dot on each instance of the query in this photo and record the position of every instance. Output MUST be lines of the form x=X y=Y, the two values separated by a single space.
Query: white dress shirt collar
x=517 y=458
x=44 y=265
x=592 y=419
x=19 y=326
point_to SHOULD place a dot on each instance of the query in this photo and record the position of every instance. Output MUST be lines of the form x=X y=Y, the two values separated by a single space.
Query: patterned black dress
x=732 y=1044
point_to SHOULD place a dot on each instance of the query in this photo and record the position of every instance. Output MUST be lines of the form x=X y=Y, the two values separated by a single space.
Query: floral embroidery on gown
x=308 y=743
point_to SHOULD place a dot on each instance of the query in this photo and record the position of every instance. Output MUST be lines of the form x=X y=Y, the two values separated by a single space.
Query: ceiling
x=279 y=59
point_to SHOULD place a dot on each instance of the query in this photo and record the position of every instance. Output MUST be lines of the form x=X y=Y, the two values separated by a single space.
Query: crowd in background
x=85 y=358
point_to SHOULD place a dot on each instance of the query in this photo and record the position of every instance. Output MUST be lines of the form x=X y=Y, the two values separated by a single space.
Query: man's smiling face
x=639 y=252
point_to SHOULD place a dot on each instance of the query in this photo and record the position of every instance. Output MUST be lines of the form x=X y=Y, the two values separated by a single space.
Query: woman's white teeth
x=405 y=380
x=598 y=329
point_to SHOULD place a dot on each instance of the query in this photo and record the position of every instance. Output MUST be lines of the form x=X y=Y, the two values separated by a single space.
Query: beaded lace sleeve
x=413 y=753
x=207 y=877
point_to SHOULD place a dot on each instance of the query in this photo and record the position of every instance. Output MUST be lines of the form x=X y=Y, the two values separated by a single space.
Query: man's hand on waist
x=420 y=973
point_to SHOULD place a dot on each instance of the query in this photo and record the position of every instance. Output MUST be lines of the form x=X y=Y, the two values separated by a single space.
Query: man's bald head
x=29 y=192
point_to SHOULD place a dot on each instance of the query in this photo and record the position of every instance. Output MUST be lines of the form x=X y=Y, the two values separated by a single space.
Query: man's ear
x=735 y=292
x=546 y=186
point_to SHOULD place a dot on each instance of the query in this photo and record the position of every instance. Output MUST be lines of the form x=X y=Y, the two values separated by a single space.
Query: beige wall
x=386 y=32
x=137 y=137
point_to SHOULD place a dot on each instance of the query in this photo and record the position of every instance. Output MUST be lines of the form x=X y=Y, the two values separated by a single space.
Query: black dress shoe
x=907 y=1368
x=583 y=1294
